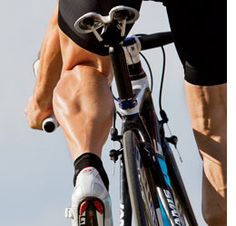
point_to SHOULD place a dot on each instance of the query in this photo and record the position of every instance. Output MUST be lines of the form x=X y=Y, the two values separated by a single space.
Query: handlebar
x=49 y=124
x=155 y=40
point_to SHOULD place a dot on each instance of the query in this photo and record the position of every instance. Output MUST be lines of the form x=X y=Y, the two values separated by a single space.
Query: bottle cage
x=97 y=24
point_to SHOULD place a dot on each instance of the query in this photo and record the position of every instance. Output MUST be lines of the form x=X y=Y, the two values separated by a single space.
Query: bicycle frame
x=134 y=97
x=137 y=111
x=135 y=102
x=130 y=108
x=132 y=121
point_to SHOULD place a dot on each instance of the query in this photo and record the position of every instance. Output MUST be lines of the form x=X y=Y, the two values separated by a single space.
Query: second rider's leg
x=198 y=30
x=207 y=106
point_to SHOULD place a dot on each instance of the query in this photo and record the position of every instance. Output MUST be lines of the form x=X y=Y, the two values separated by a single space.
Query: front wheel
x=139 y=188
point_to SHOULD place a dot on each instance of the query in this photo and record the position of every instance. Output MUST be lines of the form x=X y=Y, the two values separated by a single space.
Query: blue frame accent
x=164 y=169
x=127 y=104
x=163 y=214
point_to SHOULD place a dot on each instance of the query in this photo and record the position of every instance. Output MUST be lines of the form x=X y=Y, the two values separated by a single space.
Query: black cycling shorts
x=199 y=28
x=71 y=10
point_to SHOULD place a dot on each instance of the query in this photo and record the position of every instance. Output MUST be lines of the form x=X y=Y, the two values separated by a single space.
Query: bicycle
x=152 y=191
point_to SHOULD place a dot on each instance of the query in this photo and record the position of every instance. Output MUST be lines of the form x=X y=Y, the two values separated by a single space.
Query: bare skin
x=207 y=106
x=79 y=91
x=84 y=108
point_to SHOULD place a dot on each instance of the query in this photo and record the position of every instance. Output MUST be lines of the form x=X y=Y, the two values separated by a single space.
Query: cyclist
x=77 y=92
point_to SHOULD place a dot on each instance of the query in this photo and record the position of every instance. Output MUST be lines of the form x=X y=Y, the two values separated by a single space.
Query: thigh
x=73 y=55
x=71 y=10
x=199 y=28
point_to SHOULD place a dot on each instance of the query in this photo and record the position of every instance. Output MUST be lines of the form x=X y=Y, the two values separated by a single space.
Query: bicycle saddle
x=97 y=24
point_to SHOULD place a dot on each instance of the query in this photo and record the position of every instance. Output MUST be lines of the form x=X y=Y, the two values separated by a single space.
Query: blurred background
x=35 y=168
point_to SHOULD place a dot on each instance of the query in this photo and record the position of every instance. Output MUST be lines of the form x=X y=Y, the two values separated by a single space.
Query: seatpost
x=121 y=72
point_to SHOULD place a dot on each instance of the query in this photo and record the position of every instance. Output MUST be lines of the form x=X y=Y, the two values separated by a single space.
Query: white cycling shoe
x=91 y=204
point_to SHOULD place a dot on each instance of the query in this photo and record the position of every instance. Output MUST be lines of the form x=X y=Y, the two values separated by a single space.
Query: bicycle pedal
x=91 y=212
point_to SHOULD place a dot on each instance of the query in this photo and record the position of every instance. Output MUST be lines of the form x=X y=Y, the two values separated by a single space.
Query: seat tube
x=121 y=72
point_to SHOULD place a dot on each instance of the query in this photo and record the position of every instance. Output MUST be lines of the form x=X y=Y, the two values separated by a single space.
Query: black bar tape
x=155 y=40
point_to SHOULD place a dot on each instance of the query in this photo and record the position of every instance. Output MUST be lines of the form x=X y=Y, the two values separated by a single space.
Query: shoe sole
x=91 y=212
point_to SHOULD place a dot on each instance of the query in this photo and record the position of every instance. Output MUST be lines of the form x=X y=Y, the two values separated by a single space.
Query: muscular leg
x=82 y=101
x=207 y=106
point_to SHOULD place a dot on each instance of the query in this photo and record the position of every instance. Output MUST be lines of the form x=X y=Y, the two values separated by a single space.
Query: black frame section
x=121 y=72
x=147 y=126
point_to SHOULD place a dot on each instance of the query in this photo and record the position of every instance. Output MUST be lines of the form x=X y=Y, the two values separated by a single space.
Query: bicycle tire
x=135 y=180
